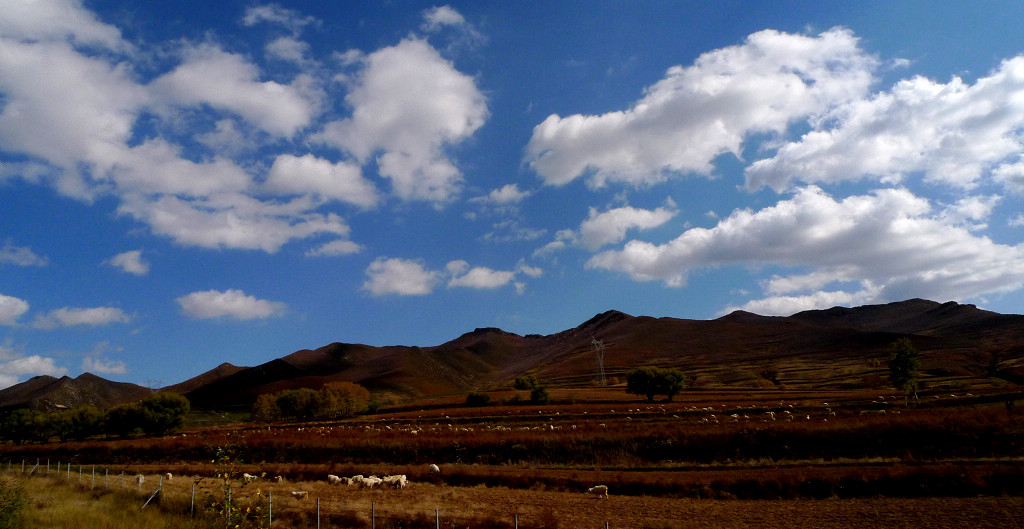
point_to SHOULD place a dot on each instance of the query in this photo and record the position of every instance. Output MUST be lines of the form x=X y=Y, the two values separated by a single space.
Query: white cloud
x=891 y=243
x=70 y=317
x=35 y=365
x=288 y=49
x=230 y=303
x=409 y=103
x=232 y=221
x=104 y=367
x=399 y=276
x=336 y=247
x=439 y=16
x=212 y=76
x=610 y=227
x=11 y=308
x=507 y=194
x=478 y=277
x=57 y=20
x=309 y=174
x=130 y=262
x=696 y=113
x=789 y=305
x=953 y=133
x=20 y=256
x=275 y=14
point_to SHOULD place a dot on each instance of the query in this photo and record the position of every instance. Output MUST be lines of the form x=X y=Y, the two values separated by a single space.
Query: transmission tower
x=599 y=353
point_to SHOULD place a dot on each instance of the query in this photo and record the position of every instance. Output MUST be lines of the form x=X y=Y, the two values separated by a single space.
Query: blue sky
x=183 y=185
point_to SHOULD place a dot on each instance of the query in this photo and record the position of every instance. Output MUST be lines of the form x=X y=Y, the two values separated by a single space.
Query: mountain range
x=961 y=345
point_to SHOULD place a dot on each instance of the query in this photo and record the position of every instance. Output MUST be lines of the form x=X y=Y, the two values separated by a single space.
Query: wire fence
x=98 y=476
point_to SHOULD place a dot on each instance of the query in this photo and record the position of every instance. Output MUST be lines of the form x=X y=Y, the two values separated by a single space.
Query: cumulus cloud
x=104 y=367
x=440 y=16
x=130 y=262
x=698 y=112
x=308 y=174
x=13 y=369
x=11 y=308
x=211 y=76
x=20 y=256
x=210 y=304
x=610 y=227
x=409 y=103
x=505 y=195
x=953 y=133
x=892 y=244
x=275 y=14
x=399 y=276
x=334 y=248
x=478 y=277
x=70 y=317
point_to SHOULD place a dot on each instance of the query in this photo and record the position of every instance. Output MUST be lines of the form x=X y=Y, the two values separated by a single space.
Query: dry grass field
x=768 y=458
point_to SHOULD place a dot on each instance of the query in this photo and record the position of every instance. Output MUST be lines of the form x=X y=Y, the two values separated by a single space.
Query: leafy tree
x=24 y=425
x=265 y=408
x=526 y=382
x=643 y=381
x=300 y=404
x=652 y=381
x=163 y=413
x=904 y=368
x=81 y=422
x=539 y=395
x=123 y=420
x=477 y=399
x=343 y=399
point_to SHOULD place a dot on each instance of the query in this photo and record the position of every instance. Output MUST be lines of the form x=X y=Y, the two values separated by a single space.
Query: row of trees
x=335 y=400
x=155 y=415
x=653 y=381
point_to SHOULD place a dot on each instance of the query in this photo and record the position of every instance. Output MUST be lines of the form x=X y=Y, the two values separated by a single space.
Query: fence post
x=192 y=507
x=122 y=479
x=79 y=473
x=106 y=478
x=318 y=512
x=93 y=477
x=437 y=519
x=47 y=467
x=22 y=466
x=270 y=508
x=516 y=518
x=373 y=516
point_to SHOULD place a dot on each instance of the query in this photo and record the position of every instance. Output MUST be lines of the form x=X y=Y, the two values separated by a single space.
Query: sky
x=184 y=184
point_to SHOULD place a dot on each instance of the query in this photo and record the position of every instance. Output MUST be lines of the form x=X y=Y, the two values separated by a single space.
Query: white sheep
x=333 y=480
x=398 y=481
x=248 y=477
x=355 y=481
x=435 y=469
x=300 y=494
x=140 y=479
x=168 y=476
x=600 y=491
x=278 y=479
x=371 y=482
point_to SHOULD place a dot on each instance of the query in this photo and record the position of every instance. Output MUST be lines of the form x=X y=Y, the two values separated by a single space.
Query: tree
x=539 y=395
x=343 y=399
x=526 y=382
x=123 y=420
x=82 y=422
x=474 y=399
x=265 y=408
x=904 y=368
x=163 y=413
x=652 y=381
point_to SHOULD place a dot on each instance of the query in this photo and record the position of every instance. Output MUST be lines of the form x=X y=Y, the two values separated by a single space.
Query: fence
x=65 y=471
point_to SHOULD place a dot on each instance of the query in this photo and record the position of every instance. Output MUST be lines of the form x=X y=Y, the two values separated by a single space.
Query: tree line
x=335 y=400
x=156 y=415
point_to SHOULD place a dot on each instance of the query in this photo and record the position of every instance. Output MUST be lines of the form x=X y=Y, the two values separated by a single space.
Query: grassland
x=768 y=458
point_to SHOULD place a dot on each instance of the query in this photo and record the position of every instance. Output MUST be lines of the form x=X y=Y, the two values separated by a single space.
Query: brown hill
x=209 y=377
x=48 y=393
x=838 y=347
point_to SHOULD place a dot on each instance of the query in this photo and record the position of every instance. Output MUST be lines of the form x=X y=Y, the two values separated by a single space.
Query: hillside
x=839 y=348
x=833 y=348
x=49 y=393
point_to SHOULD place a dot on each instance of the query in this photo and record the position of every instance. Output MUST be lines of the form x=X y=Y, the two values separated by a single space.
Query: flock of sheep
x=398 y=481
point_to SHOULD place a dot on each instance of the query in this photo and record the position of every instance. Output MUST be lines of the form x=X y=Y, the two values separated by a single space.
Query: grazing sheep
x=278 y=479
x=435 y=469
x=398 y=481
x=140 y=479
x=248 y=477
x=371 y=482
x=168 y=476
x=300 y=494
x=333 y=480
x=600 y=491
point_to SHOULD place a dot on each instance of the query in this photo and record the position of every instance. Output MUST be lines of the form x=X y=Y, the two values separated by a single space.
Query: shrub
x=539 y=396
x=12 y=502
x=526 y=382
x=477 y=399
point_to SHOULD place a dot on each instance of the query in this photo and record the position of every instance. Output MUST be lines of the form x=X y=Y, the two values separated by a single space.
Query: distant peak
x=605 y=318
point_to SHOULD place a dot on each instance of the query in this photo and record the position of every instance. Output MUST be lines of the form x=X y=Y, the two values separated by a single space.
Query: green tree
x=265 y=408
x=904 y=368
x=163 y=413
x=343 y=399
x=526 y=382
x=539 y=395
x=82 y=422
x=123 y=420
x=299 y=404
x=474 y=399
x=652 y=381
x=670 y=382
x=643 y=381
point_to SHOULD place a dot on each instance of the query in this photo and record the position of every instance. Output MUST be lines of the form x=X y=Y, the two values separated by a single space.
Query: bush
x=526 y=382
x=12 y=502
x=539 y=396
x=477 y=399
